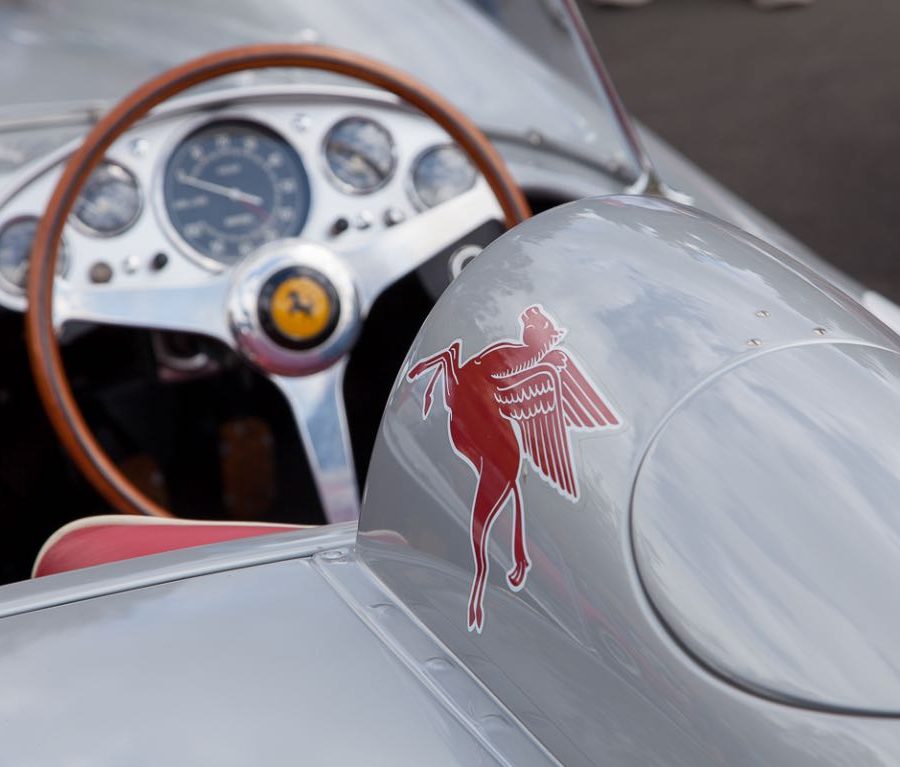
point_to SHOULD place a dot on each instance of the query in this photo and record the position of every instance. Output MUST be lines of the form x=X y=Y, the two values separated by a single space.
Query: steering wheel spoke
x=317 y=403
x=405 y=247
x=196 y=308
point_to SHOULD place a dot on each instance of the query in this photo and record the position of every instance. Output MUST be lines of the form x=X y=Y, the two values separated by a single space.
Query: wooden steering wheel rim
x=43 y=347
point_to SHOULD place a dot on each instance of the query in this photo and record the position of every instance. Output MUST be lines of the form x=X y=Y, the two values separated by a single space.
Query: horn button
x=298 y=307
x=293 y=308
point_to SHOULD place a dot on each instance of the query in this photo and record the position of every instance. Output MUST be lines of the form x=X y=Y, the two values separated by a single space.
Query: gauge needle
x=232 y=193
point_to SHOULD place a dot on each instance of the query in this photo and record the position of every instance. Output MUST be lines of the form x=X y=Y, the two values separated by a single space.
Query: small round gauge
x=110 y=201
x=233 y=186
x=360 y=155
x=440 y=174
x=16 y=241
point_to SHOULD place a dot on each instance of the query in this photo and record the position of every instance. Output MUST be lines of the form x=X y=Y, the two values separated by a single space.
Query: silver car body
x=654 y=628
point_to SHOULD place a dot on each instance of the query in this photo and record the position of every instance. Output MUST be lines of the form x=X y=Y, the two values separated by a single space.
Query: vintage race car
x=451 y=418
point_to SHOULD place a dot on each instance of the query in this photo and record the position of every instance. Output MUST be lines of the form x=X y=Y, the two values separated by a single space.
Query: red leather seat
x=98 y=540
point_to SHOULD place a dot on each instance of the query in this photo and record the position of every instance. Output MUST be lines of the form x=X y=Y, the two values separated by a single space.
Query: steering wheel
x=252 y=308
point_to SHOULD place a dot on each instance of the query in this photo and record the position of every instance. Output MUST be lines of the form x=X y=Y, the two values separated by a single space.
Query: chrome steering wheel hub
x=293 y=308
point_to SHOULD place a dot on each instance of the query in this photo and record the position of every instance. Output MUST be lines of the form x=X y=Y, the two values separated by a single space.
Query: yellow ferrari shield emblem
x=301 y=308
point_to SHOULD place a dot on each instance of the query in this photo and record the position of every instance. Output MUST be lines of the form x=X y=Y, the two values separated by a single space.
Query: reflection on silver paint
x=317 y=404
x=658 y=300
x=766 y=525
x=260 y=666
x=883 y=308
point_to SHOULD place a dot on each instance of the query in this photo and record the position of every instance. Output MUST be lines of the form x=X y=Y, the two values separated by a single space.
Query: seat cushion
x=111 y=538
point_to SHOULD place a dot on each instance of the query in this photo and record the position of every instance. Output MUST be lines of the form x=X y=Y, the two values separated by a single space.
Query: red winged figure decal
x=513 y=399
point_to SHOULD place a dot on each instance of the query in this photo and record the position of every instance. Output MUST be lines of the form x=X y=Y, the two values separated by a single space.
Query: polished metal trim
x=649 y=180
x=411 y=190
x=338 y=182
x=208 y=102
x=129 y=574
x=89 y=230
x=55 y=117
x=63 y=261
x=248 y=280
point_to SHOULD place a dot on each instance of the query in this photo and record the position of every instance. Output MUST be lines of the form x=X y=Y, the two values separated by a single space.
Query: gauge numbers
x=16 y=242
x=233 y=186
x=440 y=174
x=360 y=155
x=110 y=201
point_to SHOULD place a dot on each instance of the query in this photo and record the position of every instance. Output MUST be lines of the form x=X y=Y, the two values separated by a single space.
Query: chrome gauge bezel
x=85 y=228
x=62 y=266
x=411 y=190
x=159 y=178
x=336 y=180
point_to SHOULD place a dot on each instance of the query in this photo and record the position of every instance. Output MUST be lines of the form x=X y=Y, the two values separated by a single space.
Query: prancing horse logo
x=513 y=399
x=299 y=304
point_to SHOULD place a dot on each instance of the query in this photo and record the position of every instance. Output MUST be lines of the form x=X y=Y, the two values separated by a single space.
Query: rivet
x=130 y=265
x=334 y=555
x=819 y=331
x=438 y=664
x=762 y=314
x=301 y=123
x=495 y=723
x=754 y=342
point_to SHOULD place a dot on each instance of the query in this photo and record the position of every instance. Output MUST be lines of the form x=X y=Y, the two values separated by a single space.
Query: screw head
x=754 y=342
x=301 y=123
x=139 y=147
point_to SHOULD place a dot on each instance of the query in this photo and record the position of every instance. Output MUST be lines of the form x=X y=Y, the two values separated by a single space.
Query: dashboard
x=207 y=180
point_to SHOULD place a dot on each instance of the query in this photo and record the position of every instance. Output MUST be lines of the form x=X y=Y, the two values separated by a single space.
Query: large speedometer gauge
x=232 y=186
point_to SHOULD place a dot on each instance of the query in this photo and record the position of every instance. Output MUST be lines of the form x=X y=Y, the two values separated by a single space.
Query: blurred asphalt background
x=795 y=110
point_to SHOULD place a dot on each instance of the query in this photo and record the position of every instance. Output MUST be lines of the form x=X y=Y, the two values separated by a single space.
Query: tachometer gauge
x=16 y=241
x=360 y=155
x=440 y=174
x=231 y=187
x=110 y=202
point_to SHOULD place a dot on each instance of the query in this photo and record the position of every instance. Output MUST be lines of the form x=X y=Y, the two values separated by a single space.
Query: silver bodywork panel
x=766 y=527
x=298 y=659
x=667 y=620
x=324 y=648
x=659 y=303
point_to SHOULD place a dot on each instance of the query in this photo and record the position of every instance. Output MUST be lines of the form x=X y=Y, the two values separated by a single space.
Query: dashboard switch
x=339 y=226
x=100 y=272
